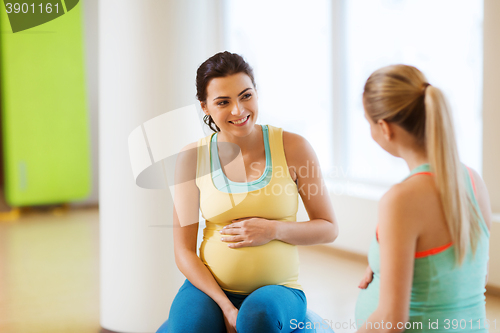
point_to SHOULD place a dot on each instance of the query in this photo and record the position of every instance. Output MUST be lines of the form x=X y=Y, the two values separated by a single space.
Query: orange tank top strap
x=435 y=250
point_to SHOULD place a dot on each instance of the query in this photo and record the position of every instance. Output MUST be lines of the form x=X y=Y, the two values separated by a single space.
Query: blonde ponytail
x=402 y=95
x=442 y=153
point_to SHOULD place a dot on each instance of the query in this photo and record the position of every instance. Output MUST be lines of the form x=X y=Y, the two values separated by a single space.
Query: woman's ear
x=387 y=130
x=204 y=107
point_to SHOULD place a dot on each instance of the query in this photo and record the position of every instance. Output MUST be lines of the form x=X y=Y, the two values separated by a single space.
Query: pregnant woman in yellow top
x=245 y=178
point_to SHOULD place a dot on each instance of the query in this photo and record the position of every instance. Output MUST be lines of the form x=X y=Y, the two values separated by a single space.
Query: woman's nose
x=237 y=110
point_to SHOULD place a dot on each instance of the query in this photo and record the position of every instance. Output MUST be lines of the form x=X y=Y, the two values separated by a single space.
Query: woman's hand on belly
x=367 y=279
x=250 y=231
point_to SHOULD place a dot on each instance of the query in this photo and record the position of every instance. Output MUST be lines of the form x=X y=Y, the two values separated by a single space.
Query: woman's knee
x=258 y=320
x=270 y=308
x=193 y=311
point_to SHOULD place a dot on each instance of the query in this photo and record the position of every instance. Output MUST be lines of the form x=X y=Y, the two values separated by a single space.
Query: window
x=288 y=44
x=294 y=50
x=441 y=38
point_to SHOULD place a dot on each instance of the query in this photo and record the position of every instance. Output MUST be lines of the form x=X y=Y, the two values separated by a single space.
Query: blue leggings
x=268 y=309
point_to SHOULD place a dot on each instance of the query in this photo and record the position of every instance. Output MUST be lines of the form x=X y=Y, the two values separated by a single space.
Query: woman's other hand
x=230 y=319
x=253 y=231
x=366 y=279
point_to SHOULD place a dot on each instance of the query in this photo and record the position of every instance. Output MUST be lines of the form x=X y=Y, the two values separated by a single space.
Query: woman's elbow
x=182 y=257
x=333 y=232
x=398 y=320
x=399 y=326
x=178 y=259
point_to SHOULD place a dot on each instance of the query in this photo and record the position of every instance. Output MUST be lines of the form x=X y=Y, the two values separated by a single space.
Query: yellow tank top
x=243 y=270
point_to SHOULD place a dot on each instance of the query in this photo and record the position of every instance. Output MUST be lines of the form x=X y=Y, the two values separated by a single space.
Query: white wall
x=491 y=101
x=149 y=52
x=491 y=123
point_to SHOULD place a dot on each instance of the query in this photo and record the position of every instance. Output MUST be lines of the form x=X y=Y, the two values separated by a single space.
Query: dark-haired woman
x=245 y=179
x=428 y=259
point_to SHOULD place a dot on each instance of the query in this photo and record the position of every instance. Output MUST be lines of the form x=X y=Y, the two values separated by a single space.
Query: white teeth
x=240 y=121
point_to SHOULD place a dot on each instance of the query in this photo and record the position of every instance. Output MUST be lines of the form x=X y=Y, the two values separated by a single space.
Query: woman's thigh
x=193 y=311
x=270 y=309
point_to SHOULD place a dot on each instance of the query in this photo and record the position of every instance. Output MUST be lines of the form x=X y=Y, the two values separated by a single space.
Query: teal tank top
x=222 y=183
x=444 y=297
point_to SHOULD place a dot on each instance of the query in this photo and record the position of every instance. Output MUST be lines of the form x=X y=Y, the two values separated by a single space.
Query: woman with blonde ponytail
x=429 y=256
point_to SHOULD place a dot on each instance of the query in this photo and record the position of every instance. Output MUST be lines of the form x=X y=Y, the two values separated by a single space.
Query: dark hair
x=219 y=65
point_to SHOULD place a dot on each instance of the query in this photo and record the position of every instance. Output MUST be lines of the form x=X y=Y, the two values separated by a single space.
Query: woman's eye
x=247 y=96
x=222 y=103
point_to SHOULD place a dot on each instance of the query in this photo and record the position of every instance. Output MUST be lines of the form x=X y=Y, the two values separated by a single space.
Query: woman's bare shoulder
x=297 y=148
x=412 y=200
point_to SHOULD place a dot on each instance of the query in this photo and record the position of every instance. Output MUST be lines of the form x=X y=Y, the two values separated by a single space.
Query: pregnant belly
x=245 y=269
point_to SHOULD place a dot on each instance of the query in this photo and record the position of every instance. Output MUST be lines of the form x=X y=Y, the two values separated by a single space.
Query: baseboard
x=103 y=330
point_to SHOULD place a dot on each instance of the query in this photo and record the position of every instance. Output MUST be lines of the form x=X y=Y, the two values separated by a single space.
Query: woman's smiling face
x=232 y=103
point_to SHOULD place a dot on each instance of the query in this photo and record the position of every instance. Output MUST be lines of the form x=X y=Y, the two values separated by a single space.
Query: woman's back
x=443 y=296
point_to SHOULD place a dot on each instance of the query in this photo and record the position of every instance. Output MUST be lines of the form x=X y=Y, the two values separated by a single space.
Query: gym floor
x=49 y=276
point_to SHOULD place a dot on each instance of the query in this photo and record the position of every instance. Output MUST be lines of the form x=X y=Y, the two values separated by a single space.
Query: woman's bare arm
x=322 y=227
x=185 y=223
x=398 y=234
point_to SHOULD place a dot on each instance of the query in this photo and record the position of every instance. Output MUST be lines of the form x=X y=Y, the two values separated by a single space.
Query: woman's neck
x=246 y=143
x=414 y=157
